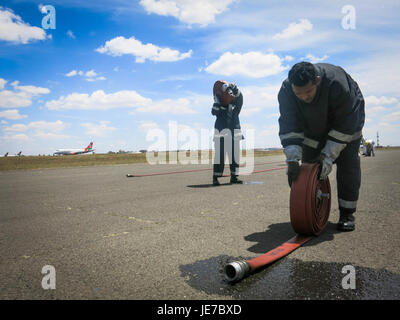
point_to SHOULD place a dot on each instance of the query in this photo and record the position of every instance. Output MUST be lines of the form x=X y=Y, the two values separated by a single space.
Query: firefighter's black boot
x=215 y=181
x=346 y=222
x=234 y=179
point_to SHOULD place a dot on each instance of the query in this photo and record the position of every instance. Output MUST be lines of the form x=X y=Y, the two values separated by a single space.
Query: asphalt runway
x=169 y=236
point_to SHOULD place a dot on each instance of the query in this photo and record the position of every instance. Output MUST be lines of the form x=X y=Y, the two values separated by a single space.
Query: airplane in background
x=13 y=155
x=88 y=149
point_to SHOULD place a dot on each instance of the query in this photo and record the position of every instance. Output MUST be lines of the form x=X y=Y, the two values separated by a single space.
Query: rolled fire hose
x=310 y=204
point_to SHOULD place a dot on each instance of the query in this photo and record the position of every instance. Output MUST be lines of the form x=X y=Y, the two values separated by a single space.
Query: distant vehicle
x=88 y=149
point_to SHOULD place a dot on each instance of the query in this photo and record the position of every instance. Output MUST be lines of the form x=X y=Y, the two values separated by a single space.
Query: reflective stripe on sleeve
x=344 y=137
x=291 y=135
x=311 y=143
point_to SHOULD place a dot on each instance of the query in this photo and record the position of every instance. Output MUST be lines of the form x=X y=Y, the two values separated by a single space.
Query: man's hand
x=292 y=171
x=326 y=166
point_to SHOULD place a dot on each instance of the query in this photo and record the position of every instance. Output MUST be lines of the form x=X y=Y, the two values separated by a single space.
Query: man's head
x=222 y=90
x=304 y=79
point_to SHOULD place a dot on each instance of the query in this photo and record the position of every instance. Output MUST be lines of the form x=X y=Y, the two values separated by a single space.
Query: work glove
x=329 y=154
x=292 y=171
x=293 y=156
x=326 y=166
x=234 y=89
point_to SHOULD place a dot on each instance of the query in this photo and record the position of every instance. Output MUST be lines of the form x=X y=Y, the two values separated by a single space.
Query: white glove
x=326 y=168
x=293 y=153
x=329 y=154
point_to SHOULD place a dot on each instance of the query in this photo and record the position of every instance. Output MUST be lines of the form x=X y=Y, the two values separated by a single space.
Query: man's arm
x=347 y=121
x=290 y=133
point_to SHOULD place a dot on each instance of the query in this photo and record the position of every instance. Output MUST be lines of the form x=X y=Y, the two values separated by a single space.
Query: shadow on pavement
x=278 y=233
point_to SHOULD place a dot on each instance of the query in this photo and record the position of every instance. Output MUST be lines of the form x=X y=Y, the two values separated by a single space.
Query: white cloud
x=188 y=11
x=98 y=130
x=16 y=137
x=2 y=83
x=37 y=126
x=148 y=125
x=99 y=100
x=72 y=73
x=13 y=29
x=392 y=117
x=71 y=34
x=263 y=97
x=380 y=100
x=251 y=64
x=294 y=30
x=90 y=75
x=121 y=45
x=246 y=112
x=177 y=106
x=12 y=115
x=30 y=90
x=21 y=96
x=314 y=59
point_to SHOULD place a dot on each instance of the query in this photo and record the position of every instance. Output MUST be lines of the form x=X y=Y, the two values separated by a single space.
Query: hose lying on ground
x=310 y=204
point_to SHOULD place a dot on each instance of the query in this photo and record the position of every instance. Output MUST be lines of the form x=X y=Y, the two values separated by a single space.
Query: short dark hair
x=301 y=73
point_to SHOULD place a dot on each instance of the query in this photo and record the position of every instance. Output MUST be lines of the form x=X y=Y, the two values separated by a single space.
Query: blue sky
x=113 y=70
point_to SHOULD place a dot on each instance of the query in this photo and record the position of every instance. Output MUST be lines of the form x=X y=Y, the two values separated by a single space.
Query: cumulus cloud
x=72 y=73
x=70 y=34
x=37 y=126
x=101 y=129
x=99 y=100
x=314 y=59
x=251 y=64
x=121 y=45
x=14 y=29
x=148 y=125
x=12 y=115
x=2 y=83
x=90 y=75
x=294 y=29
x=188 y=11
x=383 y=100
x=20 y=96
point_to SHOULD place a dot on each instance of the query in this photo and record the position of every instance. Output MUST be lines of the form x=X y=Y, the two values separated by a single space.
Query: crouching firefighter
x=321 y=119
x=228 y=101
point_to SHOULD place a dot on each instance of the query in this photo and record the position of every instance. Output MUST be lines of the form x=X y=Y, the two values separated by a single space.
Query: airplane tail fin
x=89 y=147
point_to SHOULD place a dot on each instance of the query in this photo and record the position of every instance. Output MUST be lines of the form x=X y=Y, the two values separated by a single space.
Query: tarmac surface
x=169 y=236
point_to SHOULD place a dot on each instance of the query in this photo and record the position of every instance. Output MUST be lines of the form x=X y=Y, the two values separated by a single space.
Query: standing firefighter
x=321 y=119
x=228 y=101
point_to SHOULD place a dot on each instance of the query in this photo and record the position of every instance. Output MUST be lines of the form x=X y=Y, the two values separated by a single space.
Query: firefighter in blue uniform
x=321 y=119
x=228 y=101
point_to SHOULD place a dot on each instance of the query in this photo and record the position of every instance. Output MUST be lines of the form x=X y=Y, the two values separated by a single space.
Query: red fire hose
x=132 y=175
x=310 y=203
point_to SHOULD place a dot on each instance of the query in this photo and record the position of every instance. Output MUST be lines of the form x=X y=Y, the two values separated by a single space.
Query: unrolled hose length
x=310 y=203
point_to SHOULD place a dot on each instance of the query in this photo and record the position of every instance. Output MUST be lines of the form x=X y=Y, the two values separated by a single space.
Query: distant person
x=228 y=101
x=321 y=119
x=369 y=148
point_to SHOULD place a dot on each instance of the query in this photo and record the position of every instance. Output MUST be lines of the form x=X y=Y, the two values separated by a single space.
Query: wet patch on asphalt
x=292 y=279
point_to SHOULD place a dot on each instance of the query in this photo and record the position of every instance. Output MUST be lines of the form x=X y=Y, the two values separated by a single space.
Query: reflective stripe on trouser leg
x=348 y=177
x=223 y=145
x=235 y=159
x=219 y=157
